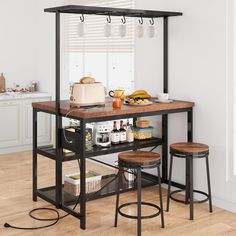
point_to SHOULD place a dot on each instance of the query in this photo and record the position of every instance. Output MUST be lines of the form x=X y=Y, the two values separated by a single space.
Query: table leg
x=164 y=148
x=190 y=139
x=58 y=162
x=82 y=175
x=35 y=158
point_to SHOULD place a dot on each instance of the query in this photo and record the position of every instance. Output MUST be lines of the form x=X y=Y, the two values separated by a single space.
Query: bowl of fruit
x=138 y=98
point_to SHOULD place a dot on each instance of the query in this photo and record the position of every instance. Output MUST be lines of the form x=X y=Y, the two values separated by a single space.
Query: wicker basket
x=72 y=183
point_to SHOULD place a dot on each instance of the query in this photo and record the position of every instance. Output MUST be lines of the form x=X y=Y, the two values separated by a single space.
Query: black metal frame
x=159 y=209
x=189 y=190
x=108 y=11
x=81 y=153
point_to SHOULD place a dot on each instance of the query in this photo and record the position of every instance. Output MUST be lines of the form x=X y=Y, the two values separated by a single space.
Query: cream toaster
x=87 y=94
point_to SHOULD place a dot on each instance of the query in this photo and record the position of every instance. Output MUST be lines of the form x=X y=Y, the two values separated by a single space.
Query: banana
x=139 y=94
x=139 y=91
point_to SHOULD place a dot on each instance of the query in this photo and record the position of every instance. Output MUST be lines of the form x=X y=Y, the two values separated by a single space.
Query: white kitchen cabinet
x=16 y=123
x=11 y=123
x=44 y=127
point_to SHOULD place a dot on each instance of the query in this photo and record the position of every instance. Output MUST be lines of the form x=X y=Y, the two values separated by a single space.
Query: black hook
x=109 y=19
x=123 y=20
x=82 y=18
x=140 y=20
x=152 y=21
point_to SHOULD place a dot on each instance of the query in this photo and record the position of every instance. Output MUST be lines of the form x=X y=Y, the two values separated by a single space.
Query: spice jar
x=116 y=103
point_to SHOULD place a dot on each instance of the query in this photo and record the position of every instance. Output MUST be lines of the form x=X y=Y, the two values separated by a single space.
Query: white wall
x=27 y=45
x=197 y=57
x=17 y=44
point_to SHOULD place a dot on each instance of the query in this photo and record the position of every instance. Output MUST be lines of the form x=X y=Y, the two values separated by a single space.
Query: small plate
x=145 y=104
x=166 y=101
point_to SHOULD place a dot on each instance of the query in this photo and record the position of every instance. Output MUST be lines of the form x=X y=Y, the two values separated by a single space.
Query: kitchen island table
x=55 y=194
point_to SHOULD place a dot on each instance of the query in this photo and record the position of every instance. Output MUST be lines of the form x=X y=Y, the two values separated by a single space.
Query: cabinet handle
x=9 y=103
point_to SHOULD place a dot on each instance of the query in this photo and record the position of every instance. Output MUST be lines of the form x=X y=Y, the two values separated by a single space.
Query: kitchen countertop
x=14 y=96
x=109 y=111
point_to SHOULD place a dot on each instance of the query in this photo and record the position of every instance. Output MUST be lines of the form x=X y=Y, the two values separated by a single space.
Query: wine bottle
x=122 y=133
x=115 y=135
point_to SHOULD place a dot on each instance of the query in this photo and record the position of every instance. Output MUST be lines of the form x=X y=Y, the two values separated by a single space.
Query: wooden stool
x=189 y=151
x=138 y=160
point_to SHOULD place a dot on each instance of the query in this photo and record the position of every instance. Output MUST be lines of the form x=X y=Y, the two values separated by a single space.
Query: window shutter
x=94 y=40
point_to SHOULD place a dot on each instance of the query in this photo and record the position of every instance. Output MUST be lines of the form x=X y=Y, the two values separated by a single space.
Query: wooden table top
x=109 y=111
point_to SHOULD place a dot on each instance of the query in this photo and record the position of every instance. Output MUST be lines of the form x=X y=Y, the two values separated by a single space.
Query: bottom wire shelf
x=49 y=193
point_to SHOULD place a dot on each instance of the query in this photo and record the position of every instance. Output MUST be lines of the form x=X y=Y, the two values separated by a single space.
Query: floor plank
x=16 y=202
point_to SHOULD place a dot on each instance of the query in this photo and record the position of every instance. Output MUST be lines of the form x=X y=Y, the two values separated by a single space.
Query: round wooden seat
x=189 y=148
x=139 y=158
x=189 y=151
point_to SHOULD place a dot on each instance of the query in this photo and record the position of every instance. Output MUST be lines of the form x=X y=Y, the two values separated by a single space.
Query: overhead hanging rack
x=91 y=10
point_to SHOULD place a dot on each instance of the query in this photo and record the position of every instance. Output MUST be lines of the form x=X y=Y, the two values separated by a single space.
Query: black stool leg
x=168 y=191
x=118 y=195
x=139 y=201
x=209 y=184
x=191 y=186
x=187 y=182
x=160 y=194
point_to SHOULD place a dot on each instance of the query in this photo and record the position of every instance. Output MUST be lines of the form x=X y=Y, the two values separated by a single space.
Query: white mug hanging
x=123 y=28
x=108 y=27
x=122 y=31
x=108 y=30
x=151 y=29
x=81 y=27
x=140 y=29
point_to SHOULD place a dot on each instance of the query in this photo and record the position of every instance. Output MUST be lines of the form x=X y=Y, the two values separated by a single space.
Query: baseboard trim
x=217 y=202
x=224 y=204
x=21 y=148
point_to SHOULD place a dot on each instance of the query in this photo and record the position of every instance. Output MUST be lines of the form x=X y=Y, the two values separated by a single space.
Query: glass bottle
x=115 y=135
x=122 y=133
x=129 y=133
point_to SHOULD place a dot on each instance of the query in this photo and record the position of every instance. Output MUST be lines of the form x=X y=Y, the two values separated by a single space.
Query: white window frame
x=107 y=50
x=230 y=97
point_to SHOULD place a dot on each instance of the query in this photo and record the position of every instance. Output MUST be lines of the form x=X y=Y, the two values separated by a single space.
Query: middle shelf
x=49 y=152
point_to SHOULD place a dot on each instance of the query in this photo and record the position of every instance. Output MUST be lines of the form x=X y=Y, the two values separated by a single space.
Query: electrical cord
x=63 y=130
x=7 y=225
x=56 y=219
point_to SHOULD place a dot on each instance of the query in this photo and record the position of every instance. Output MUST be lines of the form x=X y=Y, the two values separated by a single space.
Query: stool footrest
x=142 y=217
x=188 y=202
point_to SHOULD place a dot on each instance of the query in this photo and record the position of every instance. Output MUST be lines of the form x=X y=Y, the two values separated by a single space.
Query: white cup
x=151 y=31
x=163 y=96
x=108 y=30
x=140 y=31
x=122 y=30
x=81 y=29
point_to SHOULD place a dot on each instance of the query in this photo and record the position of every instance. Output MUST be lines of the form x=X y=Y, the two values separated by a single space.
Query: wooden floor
x=16 y=202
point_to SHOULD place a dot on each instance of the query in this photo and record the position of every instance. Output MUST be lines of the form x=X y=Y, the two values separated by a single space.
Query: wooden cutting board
x=2 y=84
